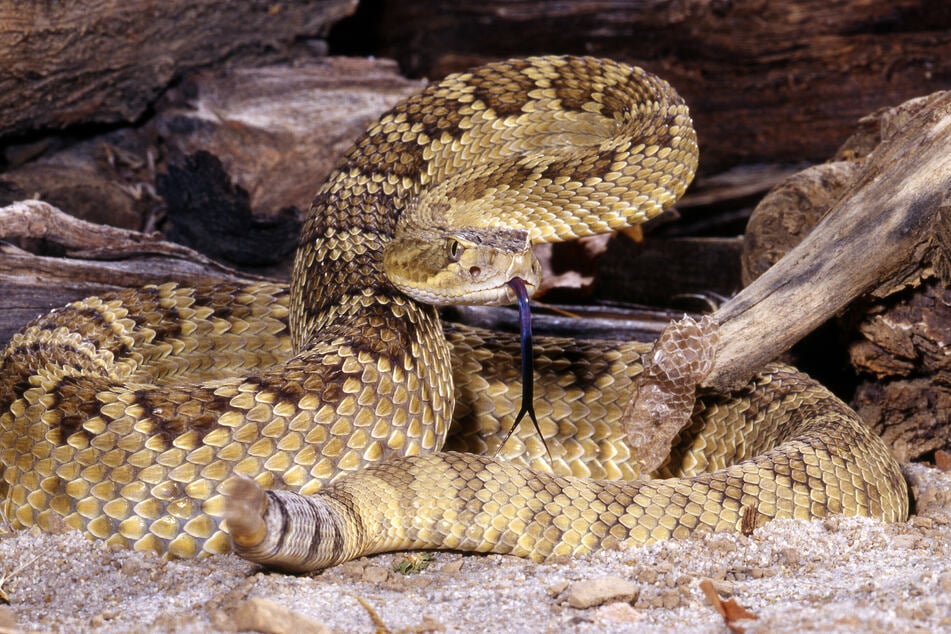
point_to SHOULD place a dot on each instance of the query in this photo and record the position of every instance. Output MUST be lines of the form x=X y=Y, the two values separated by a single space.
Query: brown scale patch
x=21 y=362
x=364 y=328
x=572 y=97
x=584 y=370
x=289 y=392
x=354 y=525
x=363 y=211
x=325 y=284
x=301 y=375
x=143 y=304
x=386 y=152
x=90 y=323
x=571 y=88
x=625 y=96
x=74 y=398
x=87 y=322
x=513 y=174
x=377 y=319
x=434 y=115
x=504 y=87
x=277 y=502
x=161 y=406
x=580 y=168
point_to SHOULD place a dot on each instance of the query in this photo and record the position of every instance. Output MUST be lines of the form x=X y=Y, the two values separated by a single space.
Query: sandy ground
x=838 y=575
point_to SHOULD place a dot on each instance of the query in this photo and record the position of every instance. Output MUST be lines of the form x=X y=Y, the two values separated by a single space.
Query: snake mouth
x=516 y=285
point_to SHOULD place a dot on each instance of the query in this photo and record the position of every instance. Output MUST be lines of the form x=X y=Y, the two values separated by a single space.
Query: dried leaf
x=730 y=610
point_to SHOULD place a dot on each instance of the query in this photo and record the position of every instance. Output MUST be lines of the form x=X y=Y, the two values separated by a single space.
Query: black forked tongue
x=528 y=365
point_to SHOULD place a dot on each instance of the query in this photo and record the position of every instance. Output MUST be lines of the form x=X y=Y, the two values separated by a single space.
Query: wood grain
x=890 y=225
x=105 y=61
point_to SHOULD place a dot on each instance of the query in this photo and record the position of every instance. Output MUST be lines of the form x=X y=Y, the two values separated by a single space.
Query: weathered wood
x=106 y=179
x=774 y=81
x=891 y=225
x=897 y=345
x=790 y=211
x=901 y=352
x=97 y=258
x=279 y=130
x=63 y=63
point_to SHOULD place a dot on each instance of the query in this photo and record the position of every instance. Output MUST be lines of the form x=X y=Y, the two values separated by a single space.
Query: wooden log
x=766 y=81
x=227 y=153
x=109 y=178
x=105 y=61
x=901 y=353
x=890 y=226
x=279 y=130
x=94 y=259
x=897 y=344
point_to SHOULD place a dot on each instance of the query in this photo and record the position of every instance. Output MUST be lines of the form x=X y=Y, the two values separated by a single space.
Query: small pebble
x=722 y=544
x=453 y=566
x=7 y=619
x=592 y=592
x=905 y=541
x=375 y=574
x=791 y=555
x=351 y=569
x=648 y=576
x=556 y=588
x=919 y=521
x=618 y=612
x=944 y=582
x=723 y=587
x=268 y=617
x=134 y=565
x=919 y=610
x=671 y=599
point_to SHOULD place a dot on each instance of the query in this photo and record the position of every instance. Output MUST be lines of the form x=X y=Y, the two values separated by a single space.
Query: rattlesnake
x=124 y=415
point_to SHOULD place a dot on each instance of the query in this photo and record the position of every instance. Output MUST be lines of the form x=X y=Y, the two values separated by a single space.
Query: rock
x=264 y=615
x=556 y=588
x=375 y=574
x=593 y=592
x=618 y=612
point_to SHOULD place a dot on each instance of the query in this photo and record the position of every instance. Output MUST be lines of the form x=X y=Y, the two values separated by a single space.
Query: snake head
x=461 y=266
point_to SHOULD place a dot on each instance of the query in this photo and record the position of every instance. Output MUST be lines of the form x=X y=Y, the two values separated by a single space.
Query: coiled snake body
x=124 y=415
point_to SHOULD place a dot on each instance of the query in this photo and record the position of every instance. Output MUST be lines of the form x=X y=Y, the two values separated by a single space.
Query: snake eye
x=454 y=249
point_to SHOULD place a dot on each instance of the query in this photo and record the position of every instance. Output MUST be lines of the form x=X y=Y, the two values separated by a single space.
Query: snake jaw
x=461 y=267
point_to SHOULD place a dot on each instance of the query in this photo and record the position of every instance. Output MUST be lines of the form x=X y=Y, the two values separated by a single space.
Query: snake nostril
x=475 y=271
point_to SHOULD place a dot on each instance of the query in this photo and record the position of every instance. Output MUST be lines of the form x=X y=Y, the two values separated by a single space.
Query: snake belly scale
x=124 y=415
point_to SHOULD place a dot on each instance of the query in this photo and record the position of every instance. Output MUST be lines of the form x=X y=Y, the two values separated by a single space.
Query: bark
x=105 y=61
x=92 y=259
x=889 y=229
x=897 y=342
x=766 y=81
x=901 y=352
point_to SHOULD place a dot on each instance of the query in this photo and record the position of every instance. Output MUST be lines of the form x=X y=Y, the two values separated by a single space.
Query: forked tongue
x=528 y=364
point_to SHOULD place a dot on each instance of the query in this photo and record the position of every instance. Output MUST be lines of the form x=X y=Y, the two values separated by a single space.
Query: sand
x=836 y=575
